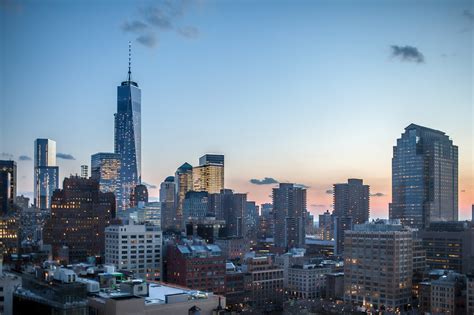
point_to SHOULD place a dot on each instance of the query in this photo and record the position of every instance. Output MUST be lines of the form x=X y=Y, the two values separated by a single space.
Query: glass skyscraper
x=46 y=172
x=183 y=180
x=424 y=178
x=128 y=137
x=8 y=186
x=105 y=169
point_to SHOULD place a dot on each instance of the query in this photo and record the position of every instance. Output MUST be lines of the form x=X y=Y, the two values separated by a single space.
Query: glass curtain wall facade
x=128 y=138
x=424 y=178
x=46 y=175
x=105 y=169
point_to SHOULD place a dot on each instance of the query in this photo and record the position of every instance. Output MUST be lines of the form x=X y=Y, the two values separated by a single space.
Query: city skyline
x=258 y=140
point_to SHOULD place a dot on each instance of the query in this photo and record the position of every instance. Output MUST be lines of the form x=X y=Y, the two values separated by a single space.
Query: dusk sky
x=313 y=93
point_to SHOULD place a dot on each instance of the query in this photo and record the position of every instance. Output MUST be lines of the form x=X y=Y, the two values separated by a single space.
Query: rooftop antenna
x=129 y=60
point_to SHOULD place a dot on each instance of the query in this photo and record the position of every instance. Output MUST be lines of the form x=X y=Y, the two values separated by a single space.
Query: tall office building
x=46 y=172
x=195 y=205
x=289 y=211
x=168 y=205
x=352 y=200
x=340 y=226
x=105 y=169
x=9 y=220
x=183 y=180
x=8 y=186
x=326 y=231
x=424 y=178
x=84 y=171
x=266 y=221
x=230 y=207
x=216 y=159
x=79 y=215
x=209 y=175
x=128 y=137
x=378 y=265
x=251 y=221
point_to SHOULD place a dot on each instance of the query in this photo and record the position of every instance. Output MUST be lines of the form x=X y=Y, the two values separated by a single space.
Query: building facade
x=208 y=177
x=378 y=265
x=46 y=173
x=449 y=246
x=136 y=249
x=352 y=200
x=230 y=207
x=183 y=180
x=105 y=168
x=470 y=294
x=168 y=204
x=195 y=205
x=307 y=281
x=447 y=294
x=8 y=186
x=424 y=178
x=263 y=283
x=326 y=231
x=79 y=214
x=196 y=265
x=289 y=212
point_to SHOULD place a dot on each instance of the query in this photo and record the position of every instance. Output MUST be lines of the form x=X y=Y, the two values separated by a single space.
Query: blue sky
x=303 y=91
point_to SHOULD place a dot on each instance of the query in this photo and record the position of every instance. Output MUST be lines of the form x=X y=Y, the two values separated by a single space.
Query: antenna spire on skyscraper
x=129 y=60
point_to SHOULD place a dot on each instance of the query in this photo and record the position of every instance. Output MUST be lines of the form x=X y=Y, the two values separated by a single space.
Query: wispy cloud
x=162 y=16
x=377 y=194
x=302 y=186
x=329 y=191
x=265 y=181
x=318 y=206
x=134 y=26
x=189 y=32
x=468 y=15
x=6 y=155
x=65 y=156
x=407 y=53
x=24 y=158
x=149 y=40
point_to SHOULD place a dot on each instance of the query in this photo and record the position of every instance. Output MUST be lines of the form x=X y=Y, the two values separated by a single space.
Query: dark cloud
x=329 y=191
x=189 y=32
x=149 y=40
x=407 y=53
x=134 y=26
x=6 y=155
x=464 y=190
x=24 y=158
x=468 y=15
x=149 y=186
x=65 y=156
x=265 y=181
x=163 y=15
x=378 y=194
x=11 y=6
